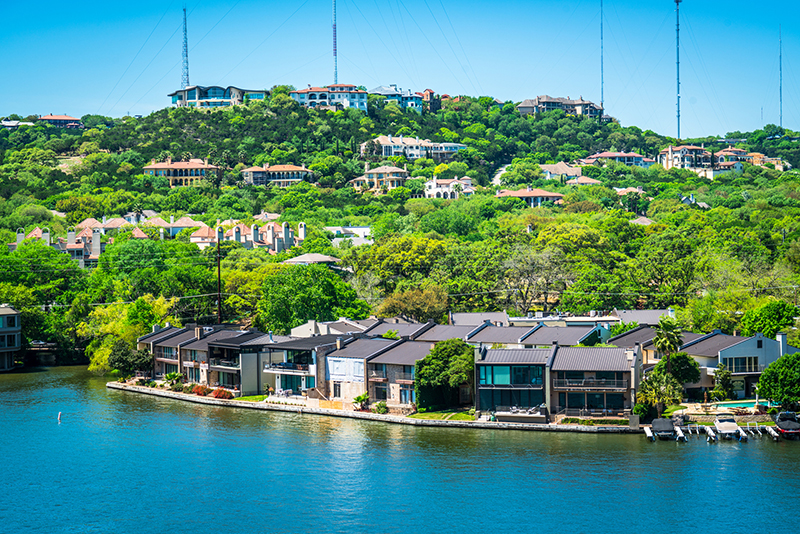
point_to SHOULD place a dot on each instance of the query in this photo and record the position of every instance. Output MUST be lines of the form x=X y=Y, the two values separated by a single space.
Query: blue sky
x=115 y=58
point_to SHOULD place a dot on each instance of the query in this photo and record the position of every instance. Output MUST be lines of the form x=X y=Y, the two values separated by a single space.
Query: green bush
x=177 y=388
x=188 y=388
x=472 y=411
x=380 y=407
x=773 y=411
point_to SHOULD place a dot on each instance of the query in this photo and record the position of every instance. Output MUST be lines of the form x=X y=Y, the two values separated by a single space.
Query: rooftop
x=590 y=359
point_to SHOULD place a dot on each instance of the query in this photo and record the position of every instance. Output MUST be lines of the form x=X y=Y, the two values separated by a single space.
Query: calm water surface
x=122 y=462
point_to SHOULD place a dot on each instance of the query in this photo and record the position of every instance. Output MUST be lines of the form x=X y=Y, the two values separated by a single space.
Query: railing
x=592 y=412
x=745 y=369
x=407 y=377
x=377 y=373
x=535 y=383
x=590 y=383
x=219 y=362
x=166 y=356
x=287 y=366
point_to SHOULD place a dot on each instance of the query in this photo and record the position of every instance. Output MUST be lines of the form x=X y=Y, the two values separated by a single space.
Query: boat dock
x=751 y=430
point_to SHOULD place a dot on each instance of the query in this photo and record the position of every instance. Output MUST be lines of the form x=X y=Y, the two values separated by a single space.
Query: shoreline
x=368 y=416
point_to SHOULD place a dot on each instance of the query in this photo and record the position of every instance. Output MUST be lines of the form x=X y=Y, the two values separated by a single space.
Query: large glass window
x=502 y=375
x=337 y=390
x=576 y=400
x=381 y=392
x=615 y=401
x=407 y=394
x=226 y=379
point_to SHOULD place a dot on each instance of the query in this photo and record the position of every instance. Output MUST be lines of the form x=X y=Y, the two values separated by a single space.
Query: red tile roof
x=58 y=118
x=524 y=193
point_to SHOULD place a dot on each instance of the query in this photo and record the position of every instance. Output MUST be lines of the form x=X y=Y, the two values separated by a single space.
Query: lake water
x=124 y=462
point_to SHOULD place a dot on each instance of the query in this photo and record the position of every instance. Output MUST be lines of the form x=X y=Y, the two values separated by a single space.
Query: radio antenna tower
x=780 y=61
x=678 y=57
x=602 y=80
x=185 y=72
x=335 y=57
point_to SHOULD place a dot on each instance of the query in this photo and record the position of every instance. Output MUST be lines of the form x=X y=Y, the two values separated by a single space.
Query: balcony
x=377 y=375
x=404 y=378
x=289 y=368
x=166 y=357
x=233 y=363
x=586 y=384
x=535 y=383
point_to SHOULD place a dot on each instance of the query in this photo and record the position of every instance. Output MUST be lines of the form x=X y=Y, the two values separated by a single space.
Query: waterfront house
x=297 y=366
x=594 y=380
x=345 y=373
x=194 y=356
x=236 y=362
x=341 y=326
x=511 y=377
x=391 y=375
x=10 y=336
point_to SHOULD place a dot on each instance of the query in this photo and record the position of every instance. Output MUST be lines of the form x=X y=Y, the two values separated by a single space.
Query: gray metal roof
x=362 y=348
x=590 y=359
x=711 y=345
x=442 y=332
x=176 y=340
x=562 y=335
x=237 y=340
x=5 y=309
x=202 y=344
x=686 y=337
x=475 y=319
x=308 y=343
x=500 y=334
x=405 y=354
x=266 y=339
x=516 y=356
x=402 y=329
x=345 y=327
x=160 y=334
x=640 y=334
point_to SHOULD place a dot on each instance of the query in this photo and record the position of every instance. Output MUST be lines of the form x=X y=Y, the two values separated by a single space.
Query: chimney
x=156 y=328
x=529 y=228
x=271 y=235
x=161 y=233
x=104 y=219
x=270 y=337
x=530 y=188
x=301 y=229
x=171 y=219
x=96 y=243
x=366 y=166
x=287 y=235
x=338 y=343
x=390 y=138
x=782 y=340
x=199 y=332
x=46 y=236
x=20 y=235
x=640 y=189
x=70 y=237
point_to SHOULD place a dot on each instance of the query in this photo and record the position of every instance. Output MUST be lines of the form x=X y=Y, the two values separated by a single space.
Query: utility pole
x=219 y=277
x=335 y=57
x=185 y=72
x=678 y=58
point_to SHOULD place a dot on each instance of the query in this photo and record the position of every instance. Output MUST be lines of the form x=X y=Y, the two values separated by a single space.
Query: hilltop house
x=404 y=99
x=698 y=160
x=545 y=103
x=631 y=159
x=532 y=197
x=214 y=96
x=181 y=173
x=452 y=189
x=340 y=95
x=277 y=175
x=381 y=178
x=62 y=121
x=410 y=147
x=560 y=170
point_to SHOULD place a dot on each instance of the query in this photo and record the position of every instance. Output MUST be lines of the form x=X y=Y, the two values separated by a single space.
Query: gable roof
x=138 y=234
x=516 y=356
x=710 y=344
x=309 y=343
x=478 y=318
x=443 y=332
x=362 y=348
x=561 y=335
x=407 y=353
x=524 y=193
x=643 y=317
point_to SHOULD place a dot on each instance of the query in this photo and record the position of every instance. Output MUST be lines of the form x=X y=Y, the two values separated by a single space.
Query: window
x=310 y=382
x=11 y=321
x=502 y=375
x=760 y=343
x=407 y=395
x=337 y=390
x=381 y=393
x=226 y=379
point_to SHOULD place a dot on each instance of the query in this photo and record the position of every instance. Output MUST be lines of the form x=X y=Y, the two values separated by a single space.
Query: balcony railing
x=166 y=356
x=405 y=377
x=590 y=383
x=377 y=373
x=534 y=383
x=219 y=362
x=287 y=366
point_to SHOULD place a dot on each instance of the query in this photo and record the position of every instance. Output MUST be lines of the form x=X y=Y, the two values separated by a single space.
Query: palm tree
x=660 y=389
x=668 y=339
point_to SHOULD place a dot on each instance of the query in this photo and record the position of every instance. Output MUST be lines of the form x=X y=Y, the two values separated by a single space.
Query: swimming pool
x=740 y=404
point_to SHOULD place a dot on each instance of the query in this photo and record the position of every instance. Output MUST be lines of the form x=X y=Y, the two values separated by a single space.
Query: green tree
x=621 y=328
x=780 y=381
x=685 y=369
x=769 y=319
x=428 y=304
x=295 y=294
x=438 y=376
x=127 y=361
x=723 y=384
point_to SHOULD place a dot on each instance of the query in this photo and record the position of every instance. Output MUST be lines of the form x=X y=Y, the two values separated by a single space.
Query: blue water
x=123 y=462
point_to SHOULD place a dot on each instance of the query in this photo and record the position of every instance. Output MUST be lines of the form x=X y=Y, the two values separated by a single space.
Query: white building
x=10 y=336
x=449 y=189
x=337 y=95
x=411 y=147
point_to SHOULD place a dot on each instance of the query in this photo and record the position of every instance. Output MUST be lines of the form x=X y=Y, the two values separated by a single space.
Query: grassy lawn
x=462 y=416
x=431 y=415
x=252 y=398
x=672 y=409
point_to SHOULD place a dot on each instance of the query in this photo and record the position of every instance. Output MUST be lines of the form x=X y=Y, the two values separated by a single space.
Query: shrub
x=176 y=387
x=201 y=390
x=188 y=388
x=380 y=407
x=773 y=411
x=472 y=411
x=220 y=393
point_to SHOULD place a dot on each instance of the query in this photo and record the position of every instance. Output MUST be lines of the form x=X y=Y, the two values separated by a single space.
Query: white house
x=454 y=188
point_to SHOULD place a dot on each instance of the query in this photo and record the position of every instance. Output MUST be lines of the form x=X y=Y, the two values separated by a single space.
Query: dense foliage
x=732 y=266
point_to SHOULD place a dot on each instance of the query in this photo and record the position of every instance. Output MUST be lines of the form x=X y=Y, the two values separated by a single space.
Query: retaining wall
x=371 y=416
